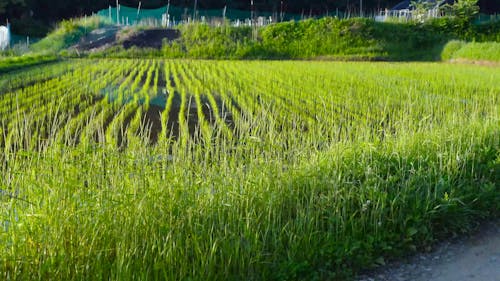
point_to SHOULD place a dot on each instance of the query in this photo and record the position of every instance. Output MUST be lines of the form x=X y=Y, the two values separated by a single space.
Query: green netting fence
x=131 y=16
x=482 y=18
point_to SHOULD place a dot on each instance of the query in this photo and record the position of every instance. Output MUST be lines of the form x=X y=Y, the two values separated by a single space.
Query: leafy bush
x=486 y=32
x=465 y=10
x=451 y=48
x=323 y=37
x=454 y=28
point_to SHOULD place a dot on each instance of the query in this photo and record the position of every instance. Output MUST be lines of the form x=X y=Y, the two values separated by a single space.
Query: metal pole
x=117 y=12
x=281 y=11
x=361 y=8
x=251 y=14
x=194 y=12
x=8 y=34
x=167 y=14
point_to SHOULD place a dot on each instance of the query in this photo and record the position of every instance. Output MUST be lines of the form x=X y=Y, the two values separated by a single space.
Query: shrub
x=451 y=48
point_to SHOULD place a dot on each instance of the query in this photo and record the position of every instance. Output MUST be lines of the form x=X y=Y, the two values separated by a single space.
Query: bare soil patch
x=150 y=38
x=476 y=62
x=98 y=39
x=110 y=36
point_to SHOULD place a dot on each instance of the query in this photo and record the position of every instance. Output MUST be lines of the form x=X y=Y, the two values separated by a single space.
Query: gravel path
x=473 y=258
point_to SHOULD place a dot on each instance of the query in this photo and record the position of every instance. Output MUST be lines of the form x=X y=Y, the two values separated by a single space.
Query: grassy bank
x=325 y=38
x=18 y=62
x=68 y=33
x=473 y=51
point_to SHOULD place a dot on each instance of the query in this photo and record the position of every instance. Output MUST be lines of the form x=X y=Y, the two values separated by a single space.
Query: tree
x=465 y=10
x=8 y=5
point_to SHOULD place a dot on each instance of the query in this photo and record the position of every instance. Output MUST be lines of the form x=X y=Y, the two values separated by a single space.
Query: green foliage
x=465 y=10
x=409 y=41
x=455 y=28
x=420 y=9
x=486 y=32
x=204 y=41
x=451 y=48
x=463 y=13
x=4 y=4
x=30 y=27
x=323 y=37
x=328 y=38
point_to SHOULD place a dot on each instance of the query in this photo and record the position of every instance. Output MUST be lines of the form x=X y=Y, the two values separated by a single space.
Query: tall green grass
x=100 y=214
x=341 y=170
x=13 y=63
x=488 y=51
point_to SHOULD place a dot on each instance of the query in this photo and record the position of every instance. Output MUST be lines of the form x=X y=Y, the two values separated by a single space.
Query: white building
x=4 y=37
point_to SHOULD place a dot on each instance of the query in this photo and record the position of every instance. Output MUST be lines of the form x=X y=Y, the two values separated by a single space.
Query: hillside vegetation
x=13 y=63
x=325 y=38
x=68 y=33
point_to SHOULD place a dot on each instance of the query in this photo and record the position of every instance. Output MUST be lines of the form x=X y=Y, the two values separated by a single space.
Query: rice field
x=239 y=170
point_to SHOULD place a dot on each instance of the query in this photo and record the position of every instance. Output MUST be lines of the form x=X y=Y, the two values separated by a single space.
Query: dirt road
x=473 y=258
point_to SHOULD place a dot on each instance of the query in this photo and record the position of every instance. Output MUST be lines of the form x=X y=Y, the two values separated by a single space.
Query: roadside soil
x=472 y=258
x=477 y=62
